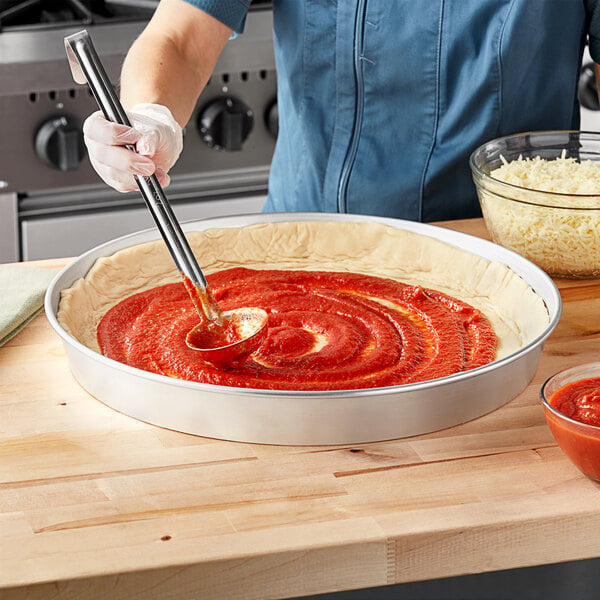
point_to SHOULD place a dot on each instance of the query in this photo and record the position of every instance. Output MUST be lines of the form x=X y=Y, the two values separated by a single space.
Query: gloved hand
x=155 y=134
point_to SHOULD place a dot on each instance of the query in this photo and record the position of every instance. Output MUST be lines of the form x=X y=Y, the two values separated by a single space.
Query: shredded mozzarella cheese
x=561 y=175
x=561 y=234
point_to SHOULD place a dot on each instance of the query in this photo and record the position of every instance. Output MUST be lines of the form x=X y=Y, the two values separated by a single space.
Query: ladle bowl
x=229 y=344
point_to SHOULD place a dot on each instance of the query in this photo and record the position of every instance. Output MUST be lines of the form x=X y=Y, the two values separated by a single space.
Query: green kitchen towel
x=22 y=290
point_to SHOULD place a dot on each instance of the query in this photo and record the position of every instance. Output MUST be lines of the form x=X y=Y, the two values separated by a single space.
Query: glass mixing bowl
x=578 y=440
x=559 y=232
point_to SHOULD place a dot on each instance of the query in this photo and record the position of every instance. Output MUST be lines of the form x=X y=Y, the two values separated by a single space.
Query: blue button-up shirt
x=382 y=101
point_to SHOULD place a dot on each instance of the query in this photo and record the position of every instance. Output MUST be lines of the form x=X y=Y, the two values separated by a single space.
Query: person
x=380 y=103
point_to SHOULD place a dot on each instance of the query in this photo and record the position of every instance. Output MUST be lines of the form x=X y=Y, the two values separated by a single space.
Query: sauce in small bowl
x=571 y=401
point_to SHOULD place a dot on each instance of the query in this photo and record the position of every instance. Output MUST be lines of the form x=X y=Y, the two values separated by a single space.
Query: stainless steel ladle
x=222 y=338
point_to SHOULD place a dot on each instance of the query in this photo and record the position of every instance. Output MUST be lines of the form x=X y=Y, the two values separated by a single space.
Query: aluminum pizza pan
x=306 y=417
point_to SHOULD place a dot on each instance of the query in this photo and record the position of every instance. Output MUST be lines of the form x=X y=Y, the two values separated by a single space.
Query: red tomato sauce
x=580 y=401
x=326 y=331
x=214 y=338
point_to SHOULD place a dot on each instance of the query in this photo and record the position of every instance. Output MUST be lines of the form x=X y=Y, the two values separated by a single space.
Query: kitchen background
x=52 y=203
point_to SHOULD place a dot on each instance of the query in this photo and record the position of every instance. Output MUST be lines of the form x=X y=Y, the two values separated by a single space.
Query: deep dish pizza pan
x=305 y=417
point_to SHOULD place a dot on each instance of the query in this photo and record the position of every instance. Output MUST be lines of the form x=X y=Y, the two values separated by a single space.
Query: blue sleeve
x=592 y=8
x=230 y=12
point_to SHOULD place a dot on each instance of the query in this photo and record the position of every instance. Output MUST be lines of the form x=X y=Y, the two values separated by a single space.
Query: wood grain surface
x=97 y=505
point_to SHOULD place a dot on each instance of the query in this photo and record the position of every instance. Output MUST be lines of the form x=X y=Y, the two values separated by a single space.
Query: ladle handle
x=86 y=67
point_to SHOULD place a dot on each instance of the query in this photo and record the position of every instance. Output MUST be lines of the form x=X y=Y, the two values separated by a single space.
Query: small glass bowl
x=558 y=232
x=579 y=441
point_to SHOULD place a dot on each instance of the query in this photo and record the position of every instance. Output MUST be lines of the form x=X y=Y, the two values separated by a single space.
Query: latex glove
x=155 y=134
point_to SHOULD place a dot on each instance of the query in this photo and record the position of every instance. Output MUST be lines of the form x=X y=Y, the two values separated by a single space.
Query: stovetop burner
x=25 y=15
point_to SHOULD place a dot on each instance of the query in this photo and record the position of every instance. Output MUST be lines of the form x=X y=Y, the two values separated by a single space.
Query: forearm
x=173 y=58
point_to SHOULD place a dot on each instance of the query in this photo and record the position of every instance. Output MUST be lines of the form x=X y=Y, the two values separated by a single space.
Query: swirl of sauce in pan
x=326 y=331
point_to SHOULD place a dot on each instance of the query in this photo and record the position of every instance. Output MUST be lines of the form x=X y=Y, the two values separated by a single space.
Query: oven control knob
x=587 y=91
x=59 y=143
x=272 y=119
x=225 y=123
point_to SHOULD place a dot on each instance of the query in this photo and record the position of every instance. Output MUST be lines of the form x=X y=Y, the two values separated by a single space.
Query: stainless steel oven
x=52 y=203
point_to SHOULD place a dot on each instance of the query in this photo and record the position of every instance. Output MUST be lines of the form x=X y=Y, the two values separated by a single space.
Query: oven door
x=68 y=223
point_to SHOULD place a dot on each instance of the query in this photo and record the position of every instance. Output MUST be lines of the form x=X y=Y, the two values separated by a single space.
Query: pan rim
x=88 y=258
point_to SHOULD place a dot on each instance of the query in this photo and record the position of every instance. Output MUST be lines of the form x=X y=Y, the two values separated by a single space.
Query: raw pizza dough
x=517 y=314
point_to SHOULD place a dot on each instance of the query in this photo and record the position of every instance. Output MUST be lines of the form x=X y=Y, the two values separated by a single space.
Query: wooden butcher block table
x=95 y=504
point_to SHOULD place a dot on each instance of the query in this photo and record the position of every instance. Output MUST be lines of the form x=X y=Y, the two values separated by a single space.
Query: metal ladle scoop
x=222 y=338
